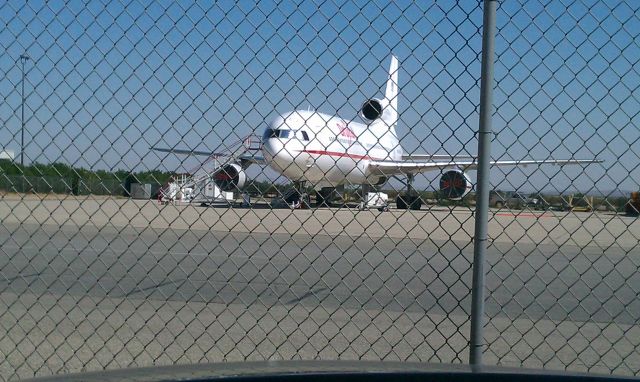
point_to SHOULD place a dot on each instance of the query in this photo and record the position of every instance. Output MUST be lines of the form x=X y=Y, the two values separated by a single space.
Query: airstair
x=198 y=186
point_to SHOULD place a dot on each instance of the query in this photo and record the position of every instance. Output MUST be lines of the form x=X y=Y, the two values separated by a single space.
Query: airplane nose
x=273 y=149
x=268 y=149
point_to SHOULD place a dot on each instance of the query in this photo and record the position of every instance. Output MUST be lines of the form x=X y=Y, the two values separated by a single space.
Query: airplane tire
x=324 y=197
x=305 y=200
x=401 y=202
x=320 y=200
x=408 y=202
x=415 y=203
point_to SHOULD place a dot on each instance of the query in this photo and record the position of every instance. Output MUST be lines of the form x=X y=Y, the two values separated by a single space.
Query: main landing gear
x=330 y=196
x=410 y=199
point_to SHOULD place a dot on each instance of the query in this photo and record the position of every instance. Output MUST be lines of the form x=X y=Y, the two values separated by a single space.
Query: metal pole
x=24 y=59
x=482 y=195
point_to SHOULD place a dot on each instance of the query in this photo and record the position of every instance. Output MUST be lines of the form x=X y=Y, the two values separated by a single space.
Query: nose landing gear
x=298 y=197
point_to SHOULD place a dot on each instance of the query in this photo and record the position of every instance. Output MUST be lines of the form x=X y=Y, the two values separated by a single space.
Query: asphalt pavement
x=135 y=284
x=397 y=275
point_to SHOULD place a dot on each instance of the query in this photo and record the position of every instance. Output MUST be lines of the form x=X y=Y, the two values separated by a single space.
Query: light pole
x=23 y=58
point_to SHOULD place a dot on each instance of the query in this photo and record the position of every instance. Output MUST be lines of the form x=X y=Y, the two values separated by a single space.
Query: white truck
x=378 y=200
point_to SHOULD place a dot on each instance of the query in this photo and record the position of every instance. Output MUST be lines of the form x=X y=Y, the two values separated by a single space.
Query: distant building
x=7 y=154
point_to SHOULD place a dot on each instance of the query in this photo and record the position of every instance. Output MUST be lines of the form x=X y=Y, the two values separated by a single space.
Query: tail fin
x=390 y=115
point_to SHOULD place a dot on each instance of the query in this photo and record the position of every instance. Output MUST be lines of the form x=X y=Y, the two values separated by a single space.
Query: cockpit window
x=276 y=133
x=269 y=133
x=305 y=136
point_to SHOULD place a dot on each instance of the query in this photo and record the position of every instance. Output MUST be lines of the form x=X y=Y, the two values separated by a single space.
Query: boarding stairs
x=198 y=186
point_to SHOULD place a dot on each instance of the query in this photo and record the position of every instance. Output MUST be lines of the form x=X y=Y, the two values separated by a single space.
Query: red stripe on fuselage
x=338 y=154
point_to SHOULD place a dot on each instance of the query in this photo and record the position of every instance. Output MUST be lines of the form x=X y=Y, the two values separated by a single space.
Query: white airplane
x=327 y=151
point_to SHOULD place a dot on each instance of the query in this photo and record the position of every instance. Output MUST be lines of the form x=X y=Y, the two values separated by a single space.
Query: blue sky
x=106 y=82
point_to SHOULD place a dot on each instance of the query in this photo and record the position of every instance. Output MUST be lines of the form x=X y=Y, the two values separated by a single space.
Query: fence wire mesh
x=574 y=284
x=176 y=189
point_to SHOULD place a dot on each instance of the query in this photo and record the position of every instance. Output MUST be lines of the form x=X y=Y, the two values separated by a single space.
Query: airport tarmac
x=93 y=283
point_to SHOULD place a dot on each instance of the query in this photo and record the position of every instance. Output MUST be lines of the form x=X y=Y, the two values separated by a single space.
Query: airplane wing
x=404 y=167
x=187 y=152
x=417 y=157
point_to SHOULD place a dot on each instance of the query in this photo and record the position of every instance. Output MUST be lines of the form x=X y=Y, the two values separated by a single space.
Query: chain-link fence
x=574 y=290
x=177 y=186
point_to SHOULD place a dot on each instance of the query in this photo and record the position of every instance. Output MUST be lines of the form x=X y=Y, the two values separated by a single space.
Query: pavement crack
x=306 y=295
x=19 y=276
x=156 y=286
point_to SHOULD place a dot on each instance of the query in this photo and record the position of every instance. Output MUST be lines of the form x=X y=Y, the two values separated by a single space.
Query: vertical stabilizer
x=391 y=93
x=390 y=115
x=382 y=114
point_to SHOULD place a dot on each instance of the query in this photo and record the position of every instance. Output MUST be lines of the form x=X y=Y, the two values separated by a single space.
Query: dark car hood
x=327 y=371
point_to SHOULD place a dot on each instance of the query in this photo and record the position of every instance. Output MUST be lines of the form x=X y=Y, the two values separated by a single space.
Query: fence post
x=482 y=194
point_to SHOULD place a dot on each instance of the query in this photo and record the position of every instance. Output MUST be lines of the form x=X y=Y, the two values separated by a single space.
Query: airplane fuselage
x=327 y=151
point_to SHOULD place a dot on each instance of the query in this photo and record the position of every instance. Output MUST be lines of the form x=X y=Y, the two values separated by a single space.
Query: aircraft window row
x=277 y=133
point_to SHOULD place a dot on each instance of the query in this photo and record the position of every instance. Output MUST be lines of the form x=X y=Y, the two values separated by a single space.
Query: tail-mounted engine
x=454 y=184
x=230 y=177
x=372 y=109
